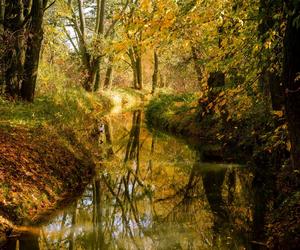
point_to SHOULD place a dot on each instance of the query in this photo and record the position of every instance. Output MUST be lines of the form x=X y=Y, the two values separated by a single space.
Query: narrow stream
x=153 y=192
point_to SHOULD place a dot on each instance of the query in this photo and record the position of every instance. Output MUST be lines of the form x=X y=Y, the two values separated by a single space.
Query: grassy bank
x=174 y=113
x=48 y=152
x=232 y=122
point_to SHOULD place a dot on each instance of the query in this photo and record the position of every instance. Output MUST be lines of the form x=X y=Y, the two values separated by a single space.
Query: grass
x=172 y=112
x=68 y=107
x=66 y=110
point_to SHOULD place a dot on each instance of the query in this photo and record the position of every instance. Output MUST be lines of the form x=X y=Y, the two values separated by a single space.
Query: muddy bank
x=38 y=173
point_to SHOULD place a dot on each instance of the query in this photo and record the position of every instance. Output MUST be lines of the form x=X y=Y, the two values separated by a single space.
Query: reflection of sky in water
x=176 y=213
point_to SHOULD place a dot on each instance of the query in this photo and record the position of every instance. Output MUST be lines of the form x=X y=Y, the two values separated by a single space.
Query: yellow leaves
x=210 y=105
x=217 y=110
x=277 y=138
x=278 y=113
x=220 y=136
x=268 y=44
x=119 y=46
x=297 y=77
x=256 y=48
x=62 y=9
x=223 y=102
x=222 y=93
x=179 y=104
x=194 y=104
x=228 y=118
x=146 y=5
x=186 y=44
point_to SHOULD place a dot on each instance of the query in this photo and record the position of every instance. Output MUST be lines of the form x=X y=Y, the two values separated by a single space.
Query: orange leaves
x=278 y=113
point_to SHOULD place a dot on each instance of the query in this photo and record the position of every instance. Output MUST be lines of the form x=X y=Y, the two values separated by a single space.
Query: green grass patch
x=166 y=110
x=64 y=108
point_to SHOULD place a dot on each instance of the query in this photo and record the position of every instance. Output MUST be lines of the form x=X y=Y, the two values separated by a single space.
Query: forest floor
x=236 y=127
x=47 y=153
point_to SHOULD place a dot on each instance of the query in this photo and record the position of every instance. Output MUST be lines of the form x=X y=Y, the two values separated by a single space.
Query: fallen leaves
x=36 y=168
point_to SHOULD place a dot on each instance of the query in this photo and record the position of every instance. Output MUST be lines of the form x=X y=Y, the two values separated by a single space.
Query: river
x=152 y=191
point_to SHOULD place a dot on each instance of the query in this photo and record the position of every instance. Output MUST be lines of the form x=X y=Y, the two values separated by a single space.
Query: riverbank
x=237 y=126
x=48 y=152
x=234 y=126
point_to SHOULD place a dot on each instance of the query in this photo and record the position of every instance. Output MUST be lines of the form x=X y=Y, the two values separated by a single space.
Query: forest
x=149 y=124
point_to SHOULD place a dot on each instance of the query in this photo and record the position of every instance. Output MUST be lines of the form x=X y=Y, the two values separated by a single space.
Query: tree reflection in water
x=153 y=192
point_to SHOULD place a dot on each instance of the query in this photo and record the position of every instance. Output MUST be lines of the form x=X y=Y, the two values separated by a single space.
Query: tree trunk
x=93 y=70
x=99 y=31
x=291 y=82
x=269 y=80
x=15 y=43
x=133 y=66
x=162 y=80
x=139 y=69
x=33 y=50
x=2 y=13
x=108 y=75
x=2 y=46
x=139 y=73
x=109 y=139
x=29 y=241
x=155 y=73
x=136 y=65
x=81 y=17
x=97 y=83
x=73 y=226
x=195 y=55
x=101 y=17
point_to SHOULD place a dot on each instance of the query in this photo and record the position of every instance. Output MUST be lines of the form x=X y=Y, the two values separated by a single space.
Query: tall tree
x=91 y=27
x=291 y=78
x=155 y=72
x=23 y=33
x=34 y=43
x=2 y=9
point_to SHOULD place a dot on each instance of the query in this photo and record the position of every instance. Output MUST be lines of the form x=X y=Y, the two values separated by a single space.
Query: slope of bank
x=48 y=151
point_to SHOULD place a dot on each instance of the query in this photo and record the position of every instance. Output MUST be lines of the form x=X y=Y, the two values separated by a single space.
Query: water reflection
x=153 y=192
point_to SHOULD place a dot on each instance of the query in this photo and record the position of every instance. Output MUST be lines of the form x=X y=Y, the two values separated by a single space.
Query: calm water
x=152 y=191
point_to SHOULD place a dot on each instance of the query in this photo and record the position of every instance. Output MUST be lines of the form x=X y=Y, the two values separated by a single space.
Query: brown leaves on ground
x=37 y=173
